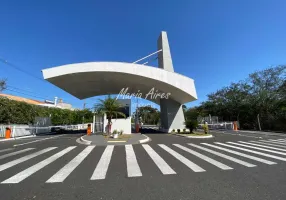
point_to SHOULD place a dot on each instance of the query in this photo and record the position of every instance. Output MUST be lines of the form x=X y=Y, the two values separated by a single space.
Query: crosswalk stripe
x=16 y=153
x=25 y=158
x=33 y=169
x=281 y=140
x=274 y=142
x=181 y=158
x=241 y=154
x=252 y=151
x=158 y=160
x=259 y=145
x=258 y=148
x=102 y=165
x=223 y=155
x=64 y=172
x=205 y=158
x=48 y=138
x=278 y=140
x=133 y=169
x=4 y=150
x=270 y=144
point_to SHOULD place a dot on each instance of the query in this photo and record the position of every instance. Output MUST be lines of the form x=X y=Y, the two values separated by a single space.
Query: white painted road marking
x=16 y=153
x=252 y=151
x=274 y=142
x=278 y=140
x=258 y=148
x=4 y=150
x=37 y=140
x=31 y=170
x=25 y=158
x=158 y=160
x=64 y=172
x=102 y=166
x=241 y=154
x=259 y=145
x=223 y=156
x=270 y=144
x=236 y=134
x=133 y=169
x=203 y=157
x=181 y=158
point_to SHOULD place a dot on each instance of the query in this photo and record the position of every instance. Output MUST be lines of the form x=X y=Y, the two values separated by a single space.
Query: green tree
x=148 y=114
x=262 y=94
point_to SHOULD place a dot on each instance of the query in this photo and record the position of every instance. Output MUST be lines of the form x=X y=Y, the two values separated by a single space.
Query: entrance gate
x=98 y=124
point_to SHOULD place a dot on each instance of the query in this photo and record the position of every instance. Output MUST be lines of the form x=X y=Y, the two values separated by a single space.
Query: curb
x=9 y=139
x=196 y=137
x=87 y=142
x=147 y=139
x=17 y=138
x=28 y=136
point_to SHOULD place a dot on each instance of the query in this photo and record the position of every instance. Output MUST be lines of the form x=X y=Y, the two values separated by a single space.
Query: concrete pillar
x=172 y=115
x=164 y=57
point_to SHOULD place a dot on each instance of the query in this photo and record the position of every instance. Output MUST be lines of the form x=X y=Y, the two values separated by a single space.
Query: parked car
x=57 y=129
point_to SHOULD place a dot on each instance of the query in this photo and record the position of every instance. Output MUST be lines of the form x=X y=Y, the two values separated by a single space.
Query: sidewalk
x=100 y=140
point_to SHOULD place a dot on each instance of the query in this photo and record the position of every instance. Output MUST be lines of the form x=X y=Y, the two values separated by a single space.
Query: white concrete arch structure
x=84 y=80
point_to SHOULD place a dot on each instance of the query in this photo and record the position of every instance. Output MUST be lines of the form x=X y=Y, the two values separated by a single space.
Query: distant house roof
x=22 y=99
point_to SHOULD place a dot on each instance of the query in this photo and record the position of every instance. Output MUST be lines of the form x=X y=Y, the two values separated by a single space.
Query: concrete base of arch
x=172 y=115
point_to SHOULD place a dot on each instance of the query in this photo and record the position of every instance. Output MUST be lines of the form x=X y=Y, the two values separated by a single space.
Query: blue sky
x=213 y=42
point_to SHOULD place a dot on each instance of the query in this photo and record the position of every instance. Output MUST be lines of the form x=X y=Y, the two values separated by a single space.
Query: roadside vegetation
x=14 y=112
x=259 y=98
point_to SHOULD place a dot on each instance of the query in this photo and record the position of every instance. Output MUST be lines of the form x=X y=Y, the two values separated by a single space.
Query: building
x=46 y=103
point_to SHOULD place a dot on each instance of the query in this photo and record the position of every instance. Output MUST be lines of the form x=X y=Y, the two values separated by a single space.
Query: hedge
x=15 y=112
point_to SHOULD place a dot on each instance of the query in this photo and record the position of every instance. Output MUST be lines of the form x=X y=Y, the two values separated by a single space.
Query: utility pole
x=83 y=114
x=258 y=122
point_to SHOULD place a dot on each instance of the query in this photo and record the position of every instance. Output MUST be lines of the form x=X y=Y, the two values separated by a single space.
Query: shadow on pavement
x=151 y=131
x=70 y=132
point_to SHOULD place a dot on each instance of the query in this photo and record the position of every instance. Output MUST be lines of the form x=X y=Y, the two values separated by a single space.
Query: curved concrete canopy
x=84 y=80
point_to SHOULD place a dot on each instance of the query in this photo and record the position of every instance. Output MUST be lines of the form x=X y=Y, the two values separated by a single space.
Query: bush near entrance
x=191 y=125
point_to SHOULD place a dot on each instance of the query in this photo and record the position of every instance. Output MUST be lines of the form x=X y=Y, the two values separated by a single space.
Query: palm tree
x=109 y=106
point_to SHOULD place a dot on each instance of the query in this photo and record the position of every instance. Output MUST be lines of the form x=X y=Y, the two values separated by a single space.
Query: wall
x=17 y=130
x=119 y=124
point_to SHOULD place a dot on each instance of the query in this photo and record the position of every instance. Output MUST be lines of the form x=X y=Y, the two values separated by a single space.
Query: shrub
x=178 y=130
x=206 y=128
x=115 y=132
x=120 y=132
x=173 y=130
x=191 y=124
x=184 y=130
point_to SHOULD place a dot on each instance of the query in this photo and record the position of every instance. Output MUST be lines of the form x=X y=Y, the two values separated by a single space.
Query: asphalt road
x=31 y=169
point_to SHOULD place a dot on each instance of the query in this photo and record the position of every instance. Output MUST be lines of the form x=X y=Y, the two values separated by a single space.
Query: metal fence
x=209 y=119
x=18 y=130
x=219 y=126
